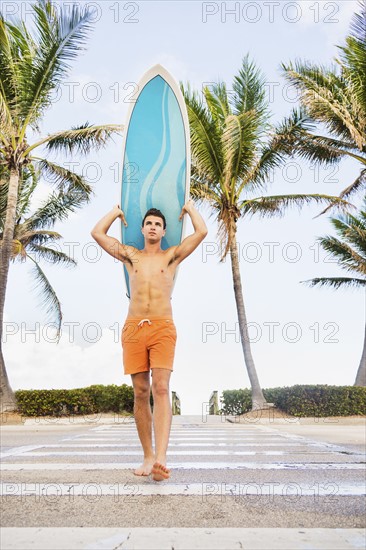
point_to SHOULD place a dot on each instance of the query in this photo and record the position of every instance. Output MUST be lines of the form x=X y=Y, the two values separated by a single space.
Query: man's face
x=153 y=229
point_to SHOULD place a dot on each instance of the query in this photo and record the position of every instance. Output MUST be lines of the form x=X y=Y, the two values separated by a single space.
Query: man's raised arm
x=190 y=243
x=110 y=244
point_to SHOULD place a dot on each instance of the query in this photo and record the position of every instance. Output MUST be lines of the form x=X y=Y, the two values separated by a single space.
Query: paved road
x=233 y=485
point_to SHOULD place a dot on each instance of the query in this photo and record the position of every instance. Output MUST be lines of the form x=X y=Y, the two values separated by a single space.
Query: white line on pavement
x=15 y=451
x=124 y=445
x=203 y=489
x=193 y=431
x=81 y=438
x=174 y=453
x=48 y=466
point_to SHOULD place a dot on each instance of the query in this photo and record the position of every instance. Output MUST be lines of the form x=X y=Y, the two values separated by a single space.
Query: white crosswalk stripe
x=185 y=466
x=197 y=489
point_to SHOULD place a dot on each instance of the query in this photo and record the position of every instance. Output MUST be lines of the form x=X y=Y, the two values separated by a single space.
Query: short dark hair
x=154 y=212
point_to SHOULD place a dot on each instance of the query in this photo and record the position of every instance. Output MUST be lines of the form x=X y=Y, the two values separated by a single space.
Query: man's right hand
x=120 y=214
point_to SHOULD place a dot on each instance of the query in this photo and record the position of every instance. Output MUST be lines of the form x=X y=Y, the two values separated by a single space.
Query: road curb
x=180 y=538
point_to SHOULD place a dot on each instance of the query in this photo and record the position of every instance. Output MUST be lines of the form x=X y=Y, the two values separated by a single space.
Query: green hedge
x=311 y=401
x=316 y=400
x=90 y=400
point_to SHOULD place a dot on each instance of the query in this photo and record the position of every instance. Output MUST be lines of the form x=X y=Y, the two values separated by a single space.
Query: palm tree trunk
x=258 y=400
x=361 y=373
x=7 y=397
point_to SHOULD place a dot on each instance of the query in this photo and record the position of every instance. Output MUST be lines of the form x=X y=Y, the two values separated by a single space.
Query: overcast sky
x=299 y=335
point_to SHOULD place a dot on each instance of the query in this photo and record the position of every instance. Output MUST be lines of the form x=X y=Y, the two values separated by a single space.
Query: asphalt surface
x=232 y=483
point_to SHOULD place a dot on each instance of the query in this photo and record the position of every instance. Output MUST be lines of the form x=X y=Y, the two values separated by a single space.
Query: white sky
x=317 y=333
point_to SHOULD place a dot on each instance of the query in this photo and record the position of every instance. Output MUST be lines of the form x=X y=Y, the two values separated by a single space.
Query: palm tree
x=350 y=250
x=33 y=235
x=32 y=65
x=336 y=98
x=232 y=158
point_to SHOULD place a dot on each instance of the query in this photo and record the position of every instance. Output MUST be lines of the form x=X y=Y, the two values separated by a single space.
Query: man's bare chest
x=147 y=267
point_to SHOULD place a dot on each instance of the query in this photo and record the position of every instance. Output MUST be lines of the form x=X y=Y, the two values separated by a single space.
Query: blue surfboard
x=156 y=159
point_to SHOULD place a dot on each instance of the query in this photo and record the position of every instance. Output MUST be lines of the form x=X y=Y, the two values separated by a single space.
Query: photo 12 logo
x=254 y=12
x=270 y=331
x=116 y=12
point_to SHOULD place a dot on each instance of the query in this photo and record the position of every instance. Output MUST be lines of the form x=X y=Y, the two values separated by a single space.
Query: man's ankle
x=149 y=456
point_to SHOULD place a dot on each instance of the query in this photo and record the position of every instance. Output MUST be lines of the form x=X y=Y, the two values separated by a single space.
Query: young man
x=149 y=335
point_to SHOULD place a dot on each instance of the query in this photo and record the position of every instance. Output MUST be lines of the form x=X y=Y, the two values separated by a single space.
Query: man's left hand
x=187 y=207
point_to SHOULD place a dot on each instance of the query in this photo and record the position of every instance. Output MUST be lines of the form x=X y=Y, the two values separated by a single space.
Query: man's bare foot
x=159 y=471
x=145 y=468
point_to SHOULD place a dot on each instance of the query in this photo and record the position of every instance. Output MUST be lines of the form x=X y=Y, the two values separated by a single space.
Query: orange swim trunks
x=148 y=344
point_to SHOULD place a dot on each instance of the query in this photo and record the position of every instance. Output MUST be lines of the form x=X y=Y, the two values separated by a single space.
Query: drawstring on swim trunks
x=140 y=324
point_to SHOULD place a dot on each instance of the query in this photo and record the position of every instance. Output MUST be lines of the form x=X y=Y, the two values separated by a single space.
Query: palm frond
x=5 y=119
x=249 y=91
x=205 y=140
x=351 y=230
x=239 y=139
x=27 y=185
x=270 y=206
x=327 y=99
x=49 y=298
x=40 y=237
x=201 y=192
x=353 y=57
x=59 y=36
x=217 y=101
x=282 y=142
x=349 y=252
x=8 y=79
x=65 y=180
x=325 y=150
x=336 y=282
x=358 y=23
x=354 y=68
x=81 y=139
x=27 y=182
x=50 y=255
x=358 y=184
x=348 y=258
x=57 y=207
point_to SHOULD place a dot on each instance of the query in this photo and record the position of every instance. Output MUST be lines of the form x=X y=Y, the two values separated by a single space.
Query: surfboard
x=156 y=159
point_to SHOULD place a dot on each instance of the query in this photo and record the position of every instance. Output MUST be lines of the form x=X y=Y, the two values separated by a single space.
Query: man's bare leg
x=162 y=418
x=143 y=419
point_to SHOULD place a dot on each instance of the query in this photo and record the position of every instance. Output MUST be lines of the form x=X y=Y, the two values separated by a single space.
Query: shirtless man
x=149 y=335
